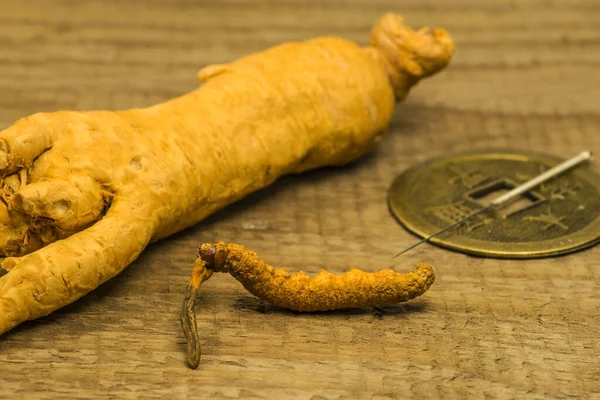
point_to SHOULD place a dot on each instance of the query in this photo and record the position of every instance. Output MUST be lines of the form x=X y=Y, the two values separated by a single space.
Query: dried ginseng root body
x=84 y=193
x=298 y=292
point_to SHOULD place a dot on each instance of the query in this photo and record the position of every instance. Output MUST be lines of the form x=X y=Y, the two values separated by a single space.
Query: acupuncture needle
x=512 y=194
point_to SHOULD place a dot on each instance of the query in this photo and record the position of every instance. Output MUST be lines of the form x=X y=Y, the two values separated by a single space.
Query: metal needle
x=512 y=194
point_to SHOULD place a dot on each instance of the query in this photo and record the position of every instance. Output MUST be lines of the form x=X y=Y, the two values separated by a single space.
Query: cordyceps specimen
x=84 y=193
x=298 y=292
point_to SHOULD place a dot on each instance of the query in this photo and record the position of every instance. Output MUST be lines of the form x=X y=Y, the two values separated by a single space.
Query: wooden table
x=525 y=76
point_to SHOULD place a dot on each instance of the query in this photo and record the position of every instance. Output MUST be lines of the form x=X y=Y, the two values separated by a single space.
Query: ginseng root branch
x=298 y=292
x=83 y=193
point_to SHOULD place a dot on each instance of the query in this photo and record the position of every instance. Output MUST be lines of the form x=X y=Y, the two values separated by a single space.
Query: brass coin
x=558 y=217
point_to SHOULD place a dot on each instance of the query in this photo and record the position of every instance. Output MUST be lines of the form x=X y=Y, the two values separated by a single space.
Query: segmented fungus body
x=298 y=292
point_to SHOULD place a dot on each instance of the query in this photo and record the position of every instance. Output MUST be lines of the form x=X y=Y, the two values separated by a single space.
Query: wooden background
x=525 y=76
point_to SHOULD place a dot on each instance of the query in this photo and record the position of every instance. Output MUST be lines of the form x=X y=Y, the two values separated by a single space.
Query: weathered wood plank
x=524 y=76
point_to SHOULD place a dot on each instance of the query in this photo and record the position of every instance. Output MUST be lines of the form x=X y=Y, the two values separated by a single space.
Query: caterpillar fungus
x=298 y=292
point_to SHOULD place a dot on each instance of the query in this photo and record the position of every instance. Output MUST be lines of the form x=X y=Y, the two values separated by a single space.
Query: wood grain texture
x=525 y=76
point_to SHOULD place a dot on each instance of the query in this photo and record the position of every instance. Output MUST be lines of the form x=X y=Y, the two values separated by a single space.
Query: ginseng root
x=298 y=292
x=82 y=193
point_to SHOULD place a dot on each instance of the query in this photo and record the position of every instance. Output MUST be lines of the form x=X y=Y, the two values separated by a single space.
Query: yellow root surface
x=83 y=193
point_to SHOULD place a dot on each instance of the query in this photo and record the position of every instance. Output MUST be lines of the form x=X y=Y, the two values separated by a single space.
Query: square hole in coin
x=484 y=195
